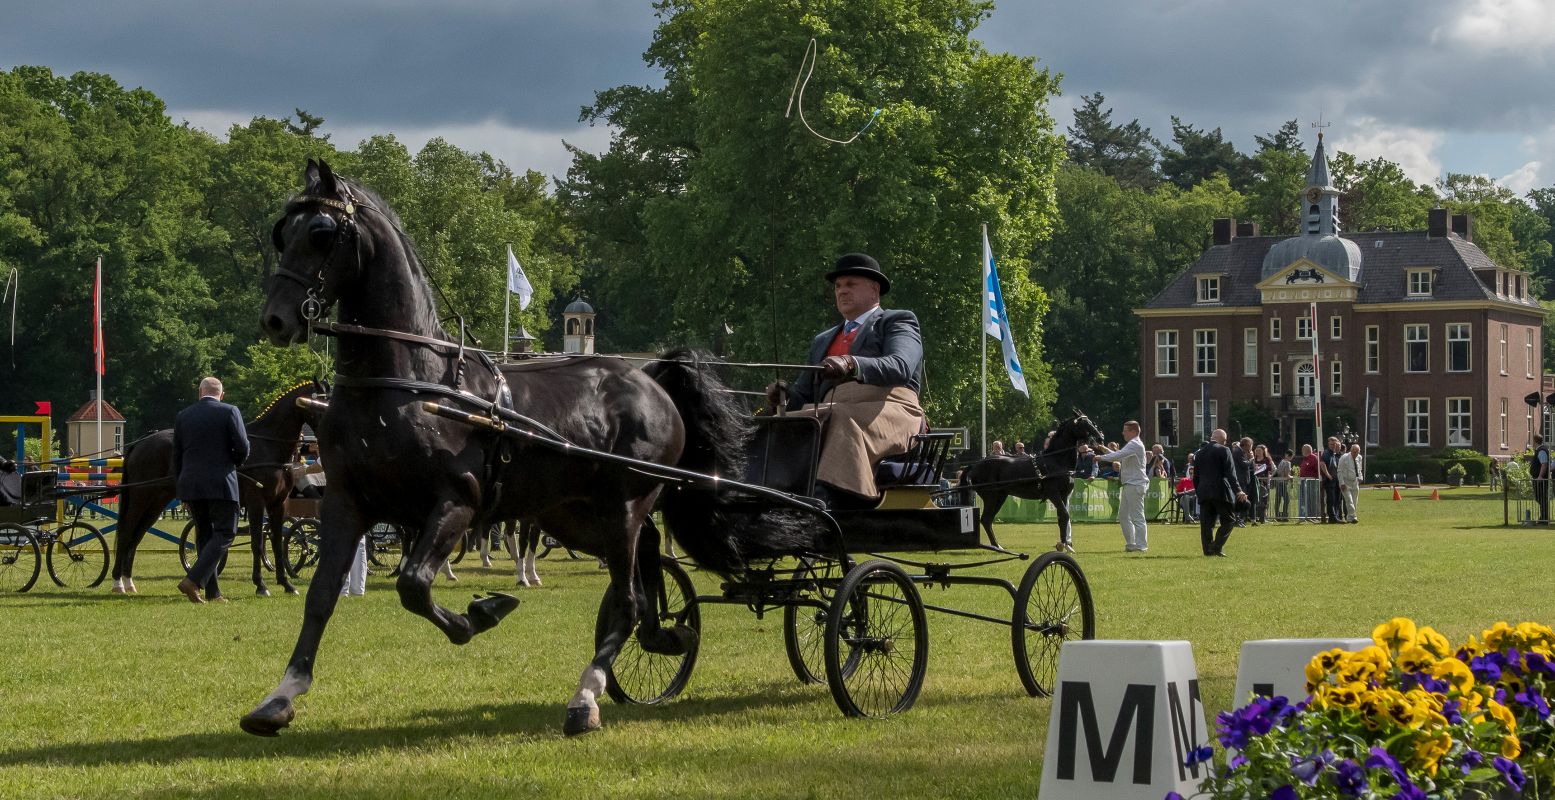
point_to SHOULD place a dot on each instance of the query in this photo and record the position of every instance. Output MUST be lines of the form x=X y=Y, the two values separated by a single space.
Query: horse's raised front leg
x=340 y=526
x=617 y=538
x=430 y=553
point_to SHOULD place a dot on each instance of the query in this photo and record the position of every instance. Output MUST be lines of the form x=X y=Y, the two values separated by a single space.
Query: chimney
x=1246 y=229
x=1224 y=230
x=1436 y=223
x=1463 y=225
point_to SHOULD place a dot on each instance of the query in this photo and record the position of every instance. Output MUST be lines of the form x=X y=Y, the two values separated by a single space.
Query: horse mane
x=430 y=311
x=270 y=406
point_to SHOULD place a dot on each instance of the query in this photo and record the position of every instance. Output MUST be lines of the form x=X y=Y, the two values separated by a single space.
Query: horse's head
x=1084 y=429
x=324 y=241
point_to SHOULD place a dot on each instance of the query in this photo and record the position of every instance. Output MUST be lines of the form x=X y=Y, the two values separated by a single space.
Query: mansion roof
x=1386 y=258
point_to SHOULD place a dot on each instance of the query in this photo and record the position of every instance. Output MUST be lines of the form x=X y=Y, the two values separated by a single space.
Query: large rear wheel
x=1052 y=606
x=19 y=562
x=78 y=556
x=877 y=641
x=643 y=678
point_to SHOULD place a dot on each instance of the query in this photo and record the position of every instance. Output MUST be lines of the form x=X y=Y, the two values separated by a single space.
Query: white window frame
x=1275 y=386
x=1425 y=343
x=1505 y=334
x=1504 y=422
x=1208 y=289
x=1335 y=377
x=1274 y=329
x=1335 y=327
x=1250 y=352
x=1416 y=278
x=1373 y=349
x=1168 y=439
x=1198 y=418
x=1171 y=349
x=1528 y=351
x=1467 y=338
x=1374 y=423
x=1417 y=408
x=1304 y=322
x=1206 y=351
x=1461 y=409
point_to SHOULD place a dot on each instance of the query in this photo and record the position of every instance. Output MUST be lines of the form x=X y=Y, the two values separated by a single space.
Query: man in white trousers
x=1350 y=472
x=1130 y=459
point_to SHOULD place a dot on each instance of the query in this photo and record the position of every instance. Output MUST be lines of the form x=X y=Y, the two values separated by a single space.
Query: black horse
x=263 y=484
x=1048 y=476
x=388 y=460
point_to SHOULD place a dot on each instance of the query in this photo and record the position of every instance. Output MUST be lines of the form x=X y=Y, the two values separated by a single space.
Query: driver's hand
x=776 y=392
x=835 y=367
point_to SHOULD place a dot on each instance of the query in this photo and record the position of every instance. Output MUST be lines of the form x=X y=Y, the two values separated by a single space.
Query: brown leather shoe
x=191 y=591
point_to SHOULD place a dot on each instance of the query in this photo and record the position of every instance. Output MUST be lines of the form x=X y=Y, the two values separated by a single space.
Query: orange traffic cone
x=1436 y=494
x=1395 y=494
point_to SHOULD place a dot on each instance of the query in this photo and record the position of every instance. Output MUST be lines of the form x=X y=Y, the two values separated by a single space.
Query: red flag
x=45 y=408
x=97 y=318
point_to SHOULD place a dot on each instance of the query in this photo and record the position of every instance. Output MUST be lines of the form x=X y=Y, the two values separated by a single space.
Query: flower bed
x=1408 y=717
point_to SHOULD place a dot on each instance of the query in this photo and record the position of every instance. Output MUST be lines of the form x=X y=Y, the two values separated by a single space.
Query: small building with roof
x=1443 y=341
x=81 y=429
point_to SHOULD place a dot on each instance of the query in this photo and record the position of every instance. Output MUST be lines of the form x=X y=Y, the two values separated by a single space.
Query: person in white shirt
x=1350 y=481
x=1130 y=459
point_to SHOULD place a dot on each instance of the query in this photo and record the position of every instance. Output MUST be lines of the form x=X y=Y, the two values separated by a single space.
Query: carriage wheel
x=188 y=552
x=804 y=626
x=302 y=546
x=78 y=556
x=1053 y=606
x=877 y=626
x=19 y=560
x=385 y=547
x=642 y=678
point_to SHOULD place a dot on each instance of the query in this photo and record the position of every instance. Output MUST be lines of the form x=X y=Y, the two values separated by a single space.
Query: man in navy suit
x=209 y=444
x=1219 y=491
x=866 y=390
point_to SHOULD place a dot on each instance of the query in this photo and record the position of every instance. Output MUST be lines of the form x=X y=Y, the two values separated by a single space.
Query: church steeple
x=1320 y=202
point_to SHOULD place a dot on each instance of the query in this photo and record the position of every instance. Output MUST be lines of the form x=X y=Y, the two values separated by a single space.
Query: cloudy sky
x=1436 y=85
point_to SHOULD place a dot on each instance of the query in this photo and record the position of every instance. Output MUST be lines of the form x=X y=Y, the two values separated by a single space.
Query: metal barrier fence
x=1525 y=501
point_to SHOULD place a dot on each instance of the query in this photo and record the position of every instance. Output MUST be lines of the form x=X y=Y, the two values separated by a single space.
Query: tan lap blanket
x=859 y=426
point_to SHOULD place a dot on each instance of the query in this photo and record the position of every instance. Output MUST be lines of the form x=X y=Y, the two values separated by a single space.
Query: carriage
x=36 y=532
x=853 y=615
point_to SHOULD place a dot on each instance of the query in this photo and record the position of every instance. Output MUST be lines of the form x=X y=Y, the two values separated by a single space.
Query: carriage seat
x=921 y=465
x=10 y=488
x=783 y=454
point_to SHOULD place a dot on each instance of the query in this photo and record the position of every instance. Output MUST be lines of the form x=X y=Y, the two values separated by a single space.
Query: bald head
x=210 y=386
x=1219 y=436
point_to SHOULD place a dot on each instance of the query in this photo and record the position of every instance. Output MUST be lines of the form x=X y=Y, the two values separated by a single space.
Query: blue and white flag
x=996 y=322
x=518 y=282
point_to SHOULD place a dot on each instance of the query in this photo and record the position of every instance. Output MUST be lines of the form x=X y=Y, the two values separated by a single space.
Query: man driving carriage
x=866 y=392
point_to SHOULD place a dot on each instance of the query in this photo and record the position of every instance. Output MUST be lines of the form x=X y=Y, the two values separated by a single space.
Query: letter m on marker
x=1078 y=710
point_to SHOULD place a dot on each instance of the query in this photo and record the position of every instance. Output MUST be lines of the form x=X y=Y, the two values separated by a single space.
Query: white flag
x=996 y=323
x=518 y=282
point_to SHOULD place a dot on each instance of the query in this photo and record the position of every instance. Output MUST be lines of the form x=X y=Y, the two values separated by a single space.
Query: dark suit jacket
x=209 y=444
x=1214 y=473
x=888 y=351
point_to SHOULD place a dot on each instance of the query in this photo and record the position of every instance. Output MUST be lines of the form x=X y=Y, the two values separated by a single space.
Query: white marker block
x=1278 y=667
x=1126 y=716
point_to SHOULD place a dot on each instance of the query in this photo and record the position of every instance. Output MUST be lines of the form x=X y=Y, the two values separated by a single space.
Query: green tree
x=265 y=371
x=743 y=210
x=1376 y=194
x=1505 y=227
x=1126 y=152
x=1197 y=154
x=1279 y=175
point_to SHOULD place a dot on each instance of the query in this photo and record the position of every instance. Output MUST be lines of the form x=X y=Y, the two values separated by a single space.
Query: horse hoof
x=486 y=612
x=581 y=720
x=291 y=590
x=269 y=718
x=119 y=590
x=262 y=591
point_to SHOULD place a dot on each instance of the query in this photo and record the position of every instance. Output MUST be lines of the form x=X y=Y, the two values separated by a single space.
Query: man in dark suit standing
x=209 y=444
x=1218 y=490
x=866 y=390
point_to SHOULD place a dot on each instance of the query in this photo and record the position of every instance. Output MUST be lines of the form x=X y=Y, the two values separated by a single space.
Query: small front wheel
x=19 y=562
x=804 y=625
x=1053 y=606
x=78 y=556
x=877 y=641
x=639 y=677
x=302 y=546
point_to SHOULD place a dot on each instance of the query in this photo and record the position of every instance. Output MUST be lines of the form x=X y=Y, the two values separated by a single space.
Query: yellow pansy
x=1416 y=659
x=1503 y=715
x=1472 y=647
x=1430 y=750
x=1496 y=637
x=1511 y=747
x=1434 y=642
x=1398 y=633
x=1456 y=673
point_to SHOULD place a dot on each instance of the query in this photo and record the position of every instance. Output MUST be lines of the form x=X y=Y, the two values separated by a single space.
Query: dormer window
x=1420 y=282
x=1209 y=289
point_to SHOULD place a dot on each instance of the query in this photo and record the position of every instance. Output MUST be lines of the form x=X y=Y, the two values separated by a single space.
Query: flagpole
x=507 y=305
x=982 y=299
x=97 y=354
x=1317 y=384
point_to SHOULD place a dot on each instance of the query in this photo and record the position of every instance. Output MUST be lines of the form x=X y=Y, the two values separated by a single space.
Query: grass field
x=138 y=697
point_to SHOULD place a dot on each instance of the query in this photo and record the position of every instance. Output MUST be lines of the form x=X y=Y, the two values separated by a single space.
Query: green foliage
x=1468 y=465
x=266 y=371
x=1125 y=153
x=728 y=213
x=1197 y=155
x=1505 y=227
x=1406 y=461
x=1378 y=195
x=1279 y=175
x=1253 y=419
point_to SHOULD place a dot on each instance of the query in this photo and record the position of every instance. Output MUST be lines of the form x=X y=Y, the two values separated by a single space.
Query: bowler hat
x=860 y=264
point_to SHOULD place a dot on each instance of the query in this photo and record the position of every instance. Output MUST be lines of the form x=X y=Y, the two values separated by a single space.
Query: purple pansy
x=1350 y=779
x=1511 y=772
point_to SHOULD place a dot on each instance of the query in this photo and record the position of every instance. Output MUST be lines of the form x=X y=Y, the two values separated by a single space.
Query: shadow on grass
x=432 y=726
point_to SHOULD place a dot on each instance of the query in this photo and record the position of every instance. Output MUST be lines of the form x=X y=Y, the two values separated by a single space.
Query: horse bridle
x=321 y=299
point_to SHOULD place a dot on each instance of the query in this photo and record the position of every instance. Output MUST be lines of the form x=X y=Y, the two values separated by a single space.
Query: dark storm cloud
x=527 y=64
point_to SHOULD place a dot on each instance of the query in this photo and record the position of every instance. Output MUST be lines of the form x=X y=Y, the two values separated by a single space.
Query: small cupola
x=578 y=327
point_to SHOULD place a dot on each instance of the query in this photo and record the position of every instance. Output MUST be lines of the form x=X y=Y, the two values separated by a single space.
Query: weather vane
x=1320 y=125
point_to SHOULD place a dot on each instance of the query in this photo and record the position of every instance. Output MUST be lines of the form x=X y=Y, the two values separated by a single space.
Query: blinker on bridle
x=317 y=304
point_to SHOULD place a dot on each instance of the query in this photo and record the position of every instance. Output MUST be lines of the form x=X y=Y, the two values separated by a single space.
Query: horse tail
x=706 y=523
